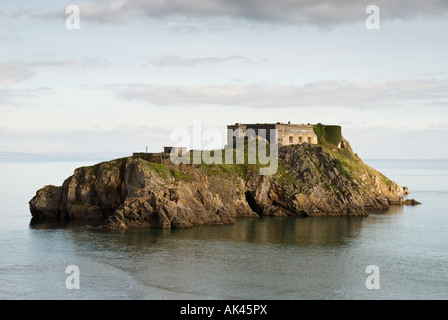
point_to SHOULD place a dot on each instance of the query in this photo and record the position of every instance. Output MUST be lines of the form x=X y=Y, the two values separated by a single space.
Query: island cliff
x=311 y=180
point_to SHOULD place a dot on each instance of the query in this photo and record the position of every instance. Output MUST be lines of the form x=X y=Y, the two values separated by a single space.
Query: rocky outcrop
x=131 y=192
x=411 y=202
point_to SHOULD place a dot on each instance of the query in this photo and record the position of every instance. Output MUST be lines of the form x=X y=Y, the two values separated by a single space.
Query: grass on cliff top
x=227 y=171
x=246 y=169
x=233 y=168
x=211 y=167
x=163 y=171
x=351 y=166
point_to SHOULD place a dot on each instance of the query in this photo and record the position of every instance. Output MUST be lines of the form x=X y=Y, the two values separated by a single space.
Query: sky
x=137 y=71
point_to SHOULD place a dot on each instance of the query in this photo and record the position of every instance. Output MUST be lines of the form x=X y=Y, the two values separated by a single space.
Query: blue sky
x=137 y=70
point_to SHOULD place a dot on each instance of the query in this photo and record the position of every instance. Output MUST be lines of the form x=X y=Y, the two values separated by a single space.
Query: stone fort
x=286 y=133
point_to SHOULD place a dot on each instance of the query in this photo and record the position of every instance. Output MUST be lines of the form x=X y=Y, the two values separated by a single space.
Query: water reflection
x=315 y=231
x=36 y=223
x=310 y=231
x=281 y=230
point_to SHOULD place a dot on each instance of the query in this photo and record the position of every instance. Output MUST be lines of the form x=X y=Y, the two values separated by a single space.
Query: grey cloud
x=320 y=93
x=14 y=71
x=51 y=63
x=10 y=96
x=173 y=61
x=299 y=12
x=20 y=12
x=5 y=95
x=94 y=62
x=183 y=29
x=4 y=39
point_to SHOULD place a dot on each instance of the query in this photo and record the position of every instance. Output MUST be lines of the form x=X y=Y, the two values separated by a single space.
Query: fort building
x=285 y=133
x=180 y=151
x=160 y=156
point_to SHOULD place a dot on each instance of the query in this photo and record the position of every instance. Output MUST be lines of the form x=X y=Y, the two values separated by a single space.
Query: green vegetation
x=151 y=157
x=285 y=177
x=333 y=134
x=345 y=162
x=319 y=130
x=352 y=167
x=339 y=166
x=161 y=169
x=326 y=133
x=236 y=164
x=180 y=176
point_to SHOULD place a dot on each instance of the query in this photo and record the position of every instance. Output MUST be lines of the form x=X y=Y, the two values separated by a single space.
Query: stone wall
x=295 y=134
x=286 y=133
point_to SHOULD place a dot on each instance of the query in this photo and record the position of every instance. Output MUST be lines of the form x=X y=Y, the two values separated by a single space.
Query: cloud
x=9 y=96
x=172 y=61
x=93 y=62
x=14 y=71
x=5 y=95
x=319 y=93
x=4 y=39
x=298 y=12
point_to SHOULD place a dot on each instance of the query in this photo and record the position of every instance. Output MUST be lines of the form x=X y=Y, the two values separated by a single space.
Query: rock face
x=405 y=190
x=411 y=202
x=311 y=180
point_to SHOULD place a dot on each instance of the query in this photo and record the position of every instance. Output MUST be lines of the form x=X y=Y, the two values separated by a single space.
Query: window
x=309 y=139
x=300 y=139
x=291 y=139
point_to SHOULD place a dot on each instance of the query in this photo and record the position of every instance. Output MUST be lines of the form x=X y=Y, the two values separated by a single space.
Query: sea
x=399 y=254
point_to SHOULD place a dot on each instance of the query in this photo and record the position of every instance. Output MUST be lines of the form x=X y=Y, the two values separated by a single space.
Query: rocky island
x=311 y=180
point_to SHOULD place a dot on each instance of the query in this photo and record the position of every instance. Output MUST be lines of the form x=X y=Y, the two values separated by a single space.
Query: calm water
x=268 y=258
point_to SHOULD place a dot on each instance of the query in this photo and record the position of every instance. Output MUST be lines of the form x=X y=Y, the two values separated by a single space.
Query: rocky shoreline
x=312 y=180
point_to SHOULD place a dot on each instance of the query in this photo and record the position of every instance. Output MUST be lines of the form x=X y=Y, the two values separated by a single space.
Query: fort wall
x=286 y=134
